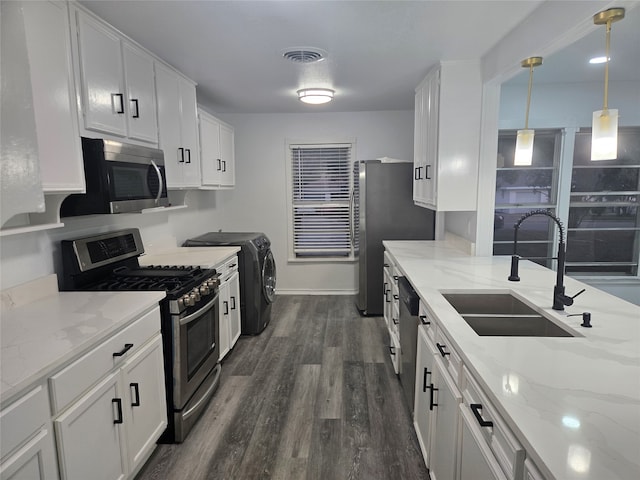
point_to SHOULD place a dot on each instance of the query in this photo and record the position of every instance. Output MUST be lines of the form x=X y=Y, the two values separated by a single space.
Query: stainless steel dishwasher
x=409 y=321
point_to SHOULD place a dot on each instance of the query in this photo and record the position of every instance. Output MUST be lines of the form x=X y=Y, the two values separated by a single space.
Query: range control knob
x=204 y=289
x=212 y=283
x=195 y=295
x=188 y=300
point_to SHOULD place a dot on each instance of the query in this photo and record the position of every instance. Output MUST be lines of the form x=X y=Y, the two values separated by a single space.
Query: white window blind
x=321 y=180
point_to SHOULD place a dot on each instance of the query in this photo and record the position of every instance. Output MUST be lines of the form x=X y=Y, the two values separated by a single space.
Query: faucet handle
x=513 y=277
x=581 y=291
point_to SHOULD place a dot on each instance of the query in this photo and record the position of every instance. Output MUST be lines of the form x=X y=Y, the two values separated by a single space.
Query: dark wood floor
x=312 y=397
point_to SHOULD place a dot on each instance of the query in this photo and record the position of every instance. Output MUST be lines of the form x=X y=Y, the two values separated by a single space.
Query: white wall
x=258 y=203
x=259 y=200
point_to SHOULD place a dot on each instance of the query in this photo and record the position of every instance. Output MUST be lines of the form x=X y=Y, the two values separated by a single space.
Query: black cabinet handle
x=392 y=350
x=423 y=320
x=395 y=277
x=441 y=348
x=233 y=303
x=395 y=297
x=233 y=265
x=219 y=164
x=181 y=150
x=386 y=265
x=386 y=296
x=120 y=98
x=188 y=155
x=431 y=402
x=417 y=174
x=424 y=379
x=224 y=165
x=136 y=109
x=118 y=402
x=226 y=307
x=395 y=321
x=384 y=288
x=475 y=408
x=427 y=177
x=127 y=347
x=136 y=394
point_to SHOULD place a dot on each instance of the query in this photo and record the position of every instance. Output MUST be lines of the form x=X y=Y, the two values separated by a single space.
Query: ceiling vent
x=304 y=54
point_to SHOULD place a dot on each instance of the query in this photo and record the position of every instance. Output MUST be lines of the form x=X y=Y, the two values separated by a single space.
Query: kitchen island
x=573 y=403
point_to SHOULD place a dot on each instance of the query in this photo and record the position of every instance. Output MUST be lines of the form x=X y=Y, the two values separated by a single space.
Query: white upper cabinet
x=216 y=152
x=49 y=48
x=178 y=127
x=116 y=88
x=447 y=137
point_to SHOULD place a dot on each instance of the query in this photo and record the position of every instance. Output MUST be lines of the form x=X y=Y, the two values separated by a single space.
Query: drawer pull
x=424 y=379
x=395 y=277
x=475 y=408
x=386 y=296
x=431 y=402
x=226 y=307
x=233 y=265
x=395 y=321
x=127 y=347
x=396 y=297
x=392 y=350
x=118 y=402
x=386 y=265
x=136 y=394
x=423 y=320
x=441 y=349
x=233 y=303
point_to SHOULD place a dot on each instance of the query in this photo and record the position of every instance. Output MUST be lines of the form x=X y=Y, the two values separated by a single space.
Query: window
x=604 y=227
x=320 y=180
x=521 y=189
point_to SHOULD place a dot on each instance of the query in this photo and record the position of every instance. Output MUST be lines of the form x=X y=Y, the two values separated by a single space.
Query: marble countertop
x=574 y=403
x=205 y=257
x=39 y=337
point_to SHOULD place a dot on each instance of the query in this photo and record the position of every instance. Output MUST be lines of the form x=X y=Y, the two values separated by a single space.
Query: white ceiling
x=378 y=51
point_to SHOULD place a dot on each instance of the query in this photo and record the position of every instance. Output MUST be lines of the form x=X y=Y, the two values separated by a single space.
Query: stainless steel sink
x=502 y=314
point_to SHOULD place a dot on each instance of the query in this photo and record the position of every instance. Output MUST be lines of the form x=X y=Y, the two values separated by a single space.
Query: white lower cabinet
x=27 y=443
x=229 y=302
x=445 y=425
x=476 y=460
x=91 y=441
x=422 y=413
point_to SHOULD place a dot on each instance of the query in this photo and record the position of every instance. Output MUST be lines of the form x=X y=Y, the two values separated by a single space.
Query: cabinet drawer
x=394 y=351
x=74 y=379
x=504 y=445
x=530 y=471
x=447 y=353
x=227 y=268
x=428 y=321
x=22 y=419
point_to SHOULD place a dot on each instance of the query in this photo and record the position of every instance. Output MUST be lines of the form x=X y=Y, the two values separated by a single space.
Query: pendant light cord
x=606 y=68
x=526 y=115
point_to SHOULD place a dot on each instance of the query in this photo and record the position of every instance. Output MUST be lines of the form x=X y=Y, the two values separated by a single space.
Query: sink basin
x=503 y=315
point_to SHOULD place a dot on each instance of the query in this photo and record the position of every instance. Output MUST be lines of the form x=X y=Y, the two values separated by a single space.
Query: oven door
x=195 y=349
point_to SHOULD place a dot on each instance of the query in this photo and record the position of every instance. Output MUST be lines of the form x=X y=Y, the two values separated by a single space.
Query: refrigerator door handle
x=352 y=227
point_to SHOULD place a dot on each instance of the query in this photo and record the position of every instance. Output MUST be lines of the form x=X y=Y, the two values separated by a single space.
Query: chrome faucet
x=559 y=297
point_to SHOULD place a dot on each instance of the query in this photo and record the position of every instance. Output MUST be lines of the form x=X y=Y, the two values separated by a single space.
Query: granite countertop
x=204 y=257
x=574 y=403
x=39 y=337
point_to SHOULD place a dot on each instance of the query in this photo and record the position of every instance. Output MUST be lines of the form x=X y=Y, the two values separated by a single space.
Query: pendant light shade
x=524 y=141
x=604 y=132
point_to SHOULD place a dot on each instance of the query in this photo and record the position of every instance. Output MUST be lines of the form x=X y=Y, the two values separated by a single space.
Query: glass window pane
x=544 y=148
x=530 y=186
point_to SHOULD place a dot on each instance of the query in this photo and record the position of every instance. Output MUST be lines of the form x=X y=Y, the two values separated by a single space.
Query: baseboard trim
x=315 y=292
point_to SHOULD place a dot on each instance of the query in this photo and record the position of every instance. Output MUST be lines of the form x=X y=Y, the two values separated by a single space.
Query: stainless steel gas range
x=190 y=329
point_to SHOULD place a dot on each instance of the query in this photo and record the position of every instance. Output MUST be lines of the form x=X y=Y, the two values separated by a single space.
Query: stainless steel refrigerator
x=383 y=210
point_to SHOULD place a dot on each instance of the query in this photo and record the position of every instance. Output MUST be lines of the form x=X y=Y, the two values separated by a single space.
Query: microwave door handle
x=159 y=180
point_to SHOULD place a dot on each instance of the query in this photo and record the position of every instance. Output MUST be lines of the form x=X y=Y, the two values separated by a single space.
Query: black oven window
x=200 y=341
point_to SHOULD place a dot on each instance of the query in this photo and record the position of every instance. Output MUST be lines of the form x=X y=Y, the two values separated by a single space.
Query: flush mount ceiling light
x=524 y=142
x=604 y=134
x=597 y=60
x=315 y=96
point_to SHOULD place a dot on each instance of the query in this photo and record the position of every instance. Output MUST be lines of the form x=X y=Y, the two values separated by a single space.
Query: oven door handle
x=196 y=315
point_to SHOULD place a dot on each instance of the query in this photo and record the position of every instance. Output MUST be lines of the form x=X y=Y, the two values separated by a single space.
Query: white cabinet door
x=227 y=154
x=477 y=462
x=423 y=409
x=34 y=461
x=144 y=402
x=210 y=161
x=189 y=130
x=234 y=306
x=141 y=98
x=431 y=101
x=102 y=77
x=444 y=431
x=225 y=319
x=170 y=137
x=90 y=441
x=54 y=103
x=418 y=145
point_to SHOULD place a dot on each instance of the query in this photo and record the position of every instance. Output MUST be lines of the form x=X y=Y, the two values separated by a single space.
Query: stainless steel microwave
x=120 y=178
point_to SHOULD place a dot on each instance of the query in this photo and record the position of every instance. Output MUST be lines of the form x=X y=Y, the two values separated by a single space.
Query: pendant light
x=524 y=142
x=604 y=134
